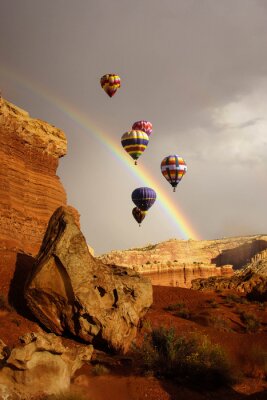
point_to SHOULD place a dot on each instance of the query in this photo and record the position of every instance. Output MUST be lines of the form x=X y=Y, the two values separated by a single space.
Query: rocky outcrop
x=189 y=254
x=70 y=291
x=251 y=280
x=30 y=190
x=41 y=365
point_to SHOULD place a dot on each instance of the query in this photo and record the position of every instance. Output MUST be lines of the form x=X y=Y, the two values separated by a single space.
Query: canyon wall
x=30 y=190
x=216 y=255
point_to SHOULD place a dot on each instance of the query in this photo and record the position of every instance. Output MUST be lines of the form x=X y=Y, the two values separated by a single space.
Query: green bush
x=191 y=360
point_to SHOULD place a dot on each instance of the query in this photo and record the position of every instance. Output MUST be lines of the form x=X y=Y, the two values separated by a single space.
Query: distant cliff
x=216 y=255
x=30 y=190
x=250 y=280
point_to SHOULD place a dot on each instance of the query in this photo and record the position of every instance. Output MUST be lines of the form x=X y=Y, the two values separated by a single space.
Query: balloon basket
x=174 y=189
x=135 y=163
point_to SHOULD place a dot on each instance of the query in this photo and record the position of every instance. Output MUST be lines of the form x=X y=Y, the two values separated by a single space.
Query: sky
x=196 y=69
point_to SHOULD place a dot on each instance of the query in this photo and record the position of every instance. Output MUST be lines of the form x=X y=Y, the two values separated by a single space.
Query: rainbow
x=177 y=216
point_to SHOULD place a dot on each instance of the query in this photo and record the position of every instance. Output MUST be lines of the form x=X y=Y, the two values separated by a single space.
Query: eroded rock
x=250 y=280
x=69 y=291
x=41 y=365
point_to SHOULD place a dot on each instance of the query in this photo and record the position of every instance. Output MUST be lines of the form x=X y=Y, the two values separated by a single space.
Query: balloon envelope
x=138 y=215
x=110 y=83
x=135 y=143
x=144 y=126
x=144 y=198
x=173 y=169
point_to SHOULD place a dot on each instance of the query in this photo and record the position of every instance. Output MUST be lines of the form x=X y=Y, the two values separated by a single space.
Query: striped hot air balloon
x=134 y=142
x=138 y=215
x=144 y=198
x=110 y=83
x=173 y=169
x=144 y=126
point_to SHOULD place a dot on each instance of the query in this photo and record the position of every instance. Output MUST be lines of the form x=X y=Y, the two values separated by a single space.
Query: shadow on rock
x=241 y=255
x=24 y=265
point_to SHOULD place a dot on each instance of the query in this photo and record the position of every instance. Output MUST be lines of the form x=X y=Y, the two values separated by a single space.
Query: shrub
x=191 y=360
x=100 y=369
x=220 y=323
x=213 y=303
x=233 y=298
x=255 y=361
x=64 y=396
x=179 y=309
x=251 y=322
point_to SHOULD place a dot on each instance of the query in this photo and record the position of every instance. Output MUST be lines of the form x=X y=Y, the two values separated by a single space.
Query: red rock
x=30 y=190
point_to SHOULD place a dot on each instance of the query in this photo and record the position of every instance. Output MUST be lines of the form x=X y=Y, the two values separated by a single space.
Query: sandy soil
x=216 y=315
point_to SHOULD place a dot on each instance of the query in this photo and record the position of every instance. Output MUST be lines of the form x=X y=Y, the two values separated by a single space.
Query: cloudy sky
x=197 y=69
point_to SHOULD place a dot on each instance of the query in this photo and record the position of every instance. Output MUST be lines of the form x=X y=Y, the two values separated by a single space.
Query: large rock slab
x=41 y=365
x=70 y=292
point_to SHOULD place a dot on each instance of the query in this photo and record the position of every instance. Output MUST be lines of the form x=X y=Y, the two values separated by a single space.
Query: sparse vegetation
x=255 y=362
x=251 y=322
x=65 y=396
x=213 y=303
x=191 y=360
x=100 y=369
x=220 y=323
x=15 y=321
x=233 y=298
x=179 y=309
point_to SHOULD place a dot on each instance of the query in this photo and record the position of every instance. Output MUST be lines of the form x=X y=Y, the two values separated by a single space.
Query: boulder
x=70 y=291
x=41 y=365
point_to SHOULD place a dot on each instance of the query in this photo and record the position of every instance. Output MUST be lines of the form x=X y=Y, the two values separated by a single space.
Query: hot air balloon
x=134 y=142
x=144 y=198
x=144 y=126
x=110 y=83
x=173 y=169
x=138 y=215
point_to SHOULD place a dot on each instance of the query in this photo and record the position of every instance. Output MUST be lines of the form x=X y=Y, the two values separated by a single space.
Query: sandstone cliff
x=30 y=190
x=251 y=280
x=216 y=255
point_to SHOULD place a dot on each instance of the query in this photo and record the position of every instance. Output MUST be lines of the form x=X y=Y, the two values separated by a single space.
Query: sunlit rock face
x=190 y=256
x=71 y=292
x=30 y=190
x=41 y=364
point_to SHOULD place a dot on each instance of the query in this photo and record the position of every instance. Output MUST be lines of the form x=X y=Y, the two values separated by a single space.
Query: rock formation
x=30 y=191
x=251 y=280
x=190 y=254
x=71 y=292
x=41 y=365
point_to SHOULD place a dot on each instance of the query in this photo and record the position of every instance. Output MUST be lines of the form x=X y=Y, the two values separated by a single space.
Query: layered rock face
x=40 y=365
x=190 y=254
x=30 y=191
x=250 y=280
x=71 y=292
